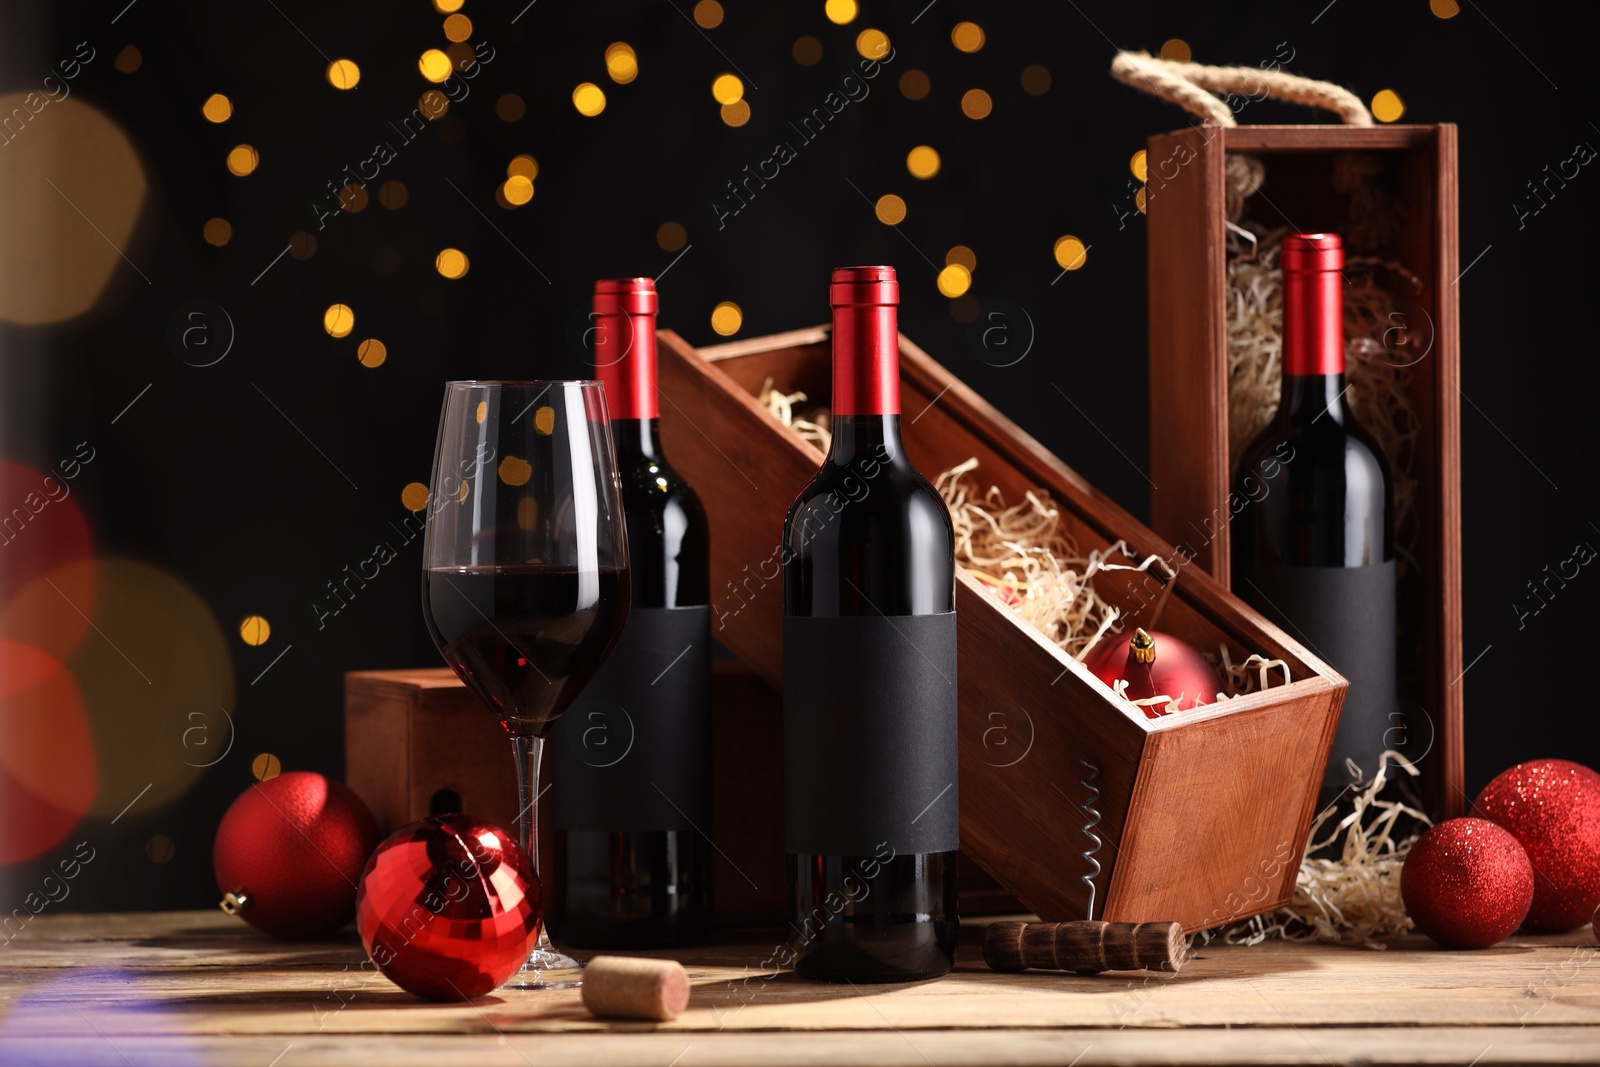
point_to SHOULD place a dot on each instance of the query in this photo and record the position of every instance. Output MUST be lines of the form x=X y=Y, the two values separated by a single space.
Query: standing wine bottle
x=631 y=762
x=1313 y=547
x=869 y=680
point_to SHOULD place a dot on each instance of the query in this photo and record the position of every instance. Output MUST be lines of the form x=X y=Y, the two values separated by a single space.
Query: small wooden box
x=1202 y=814
x=1189 y=373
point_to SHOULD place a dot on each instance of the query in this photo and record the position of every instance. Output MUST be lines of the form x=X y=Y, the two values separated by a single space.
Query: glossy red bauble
x=1155 y=664
x=1552 y=806
x=289 y=851
x=1467 y=883
x=449 y=907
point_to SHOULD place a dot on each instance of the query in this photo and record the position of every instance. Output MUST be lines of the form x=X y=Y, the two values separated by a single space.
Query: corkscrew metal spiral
x=1092 y=815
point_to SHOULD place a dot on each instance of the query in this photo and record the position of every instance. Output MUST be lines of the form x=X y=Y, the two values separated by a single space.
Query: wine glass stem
x=529 y=751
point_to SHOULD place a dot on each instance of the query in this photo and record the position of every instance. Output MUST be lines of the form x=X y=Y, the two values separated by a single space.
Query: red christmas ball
x=289 y=851
x=1467 y=883
x=1552 y=806
x=449 y=907
x=1155 y=664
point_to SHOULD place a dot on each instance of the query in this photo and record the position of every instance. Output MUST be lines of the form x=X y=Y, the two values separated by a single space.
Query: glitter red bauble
x=1553 y=808
x=1467 y=883
x=291 y=849
x=1177 y=670
x=449 y=907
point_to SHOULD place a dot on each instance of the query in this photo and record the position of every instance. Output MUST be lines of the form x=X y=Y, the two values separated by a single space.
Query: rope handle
x=1192 y=86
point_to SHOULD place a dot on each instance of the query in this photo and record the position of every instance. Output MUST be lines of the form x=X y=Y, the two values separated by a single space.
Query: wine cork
x=630 y=987
x=1085 y=947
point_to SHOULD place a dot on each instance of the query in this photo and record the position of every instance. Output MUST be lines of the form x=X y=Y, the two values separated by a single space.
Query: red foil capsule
x=866 y=341
x=1313 y=304
x=624 y=344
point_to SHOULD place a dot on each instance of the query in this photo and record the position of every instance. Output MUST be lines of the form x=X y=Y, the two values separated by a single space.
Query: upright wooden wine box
x=1189 y=437
x=1068 y=793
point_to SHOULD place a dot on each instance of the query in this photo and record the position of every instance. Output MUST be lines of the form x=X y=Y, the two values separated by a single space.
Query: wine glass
x=525 y=581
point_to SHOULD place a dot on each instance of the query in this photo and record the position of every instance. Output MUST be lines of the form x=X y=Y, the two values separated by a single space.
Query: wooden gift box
x=1189 y=374
x=1202 y=814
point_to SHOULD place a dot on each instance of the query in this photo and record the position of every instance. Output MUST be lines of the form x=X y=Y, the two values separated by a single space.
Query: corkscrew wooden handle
x=1085 y=947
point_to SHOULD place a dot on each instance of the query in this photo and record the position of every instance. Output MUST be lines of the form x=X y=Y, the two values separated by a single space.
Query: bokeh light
x=49 y=770
x=457 y=28
x=1445 y=9
x=807 y=51
x=302 y=245
x=1177 y=50
x=217 y=232
x=338 y=320
x=128 y=60
x=217 y=108
x=344 y=74
x=621 y=63
x=1036 y=79
x=523 y=166
x=1387 y=106
x=726 y=318
x=922 y=161
x=514 y=471
x=963 y=255
x=510 y=108
x=435 y=65
x=445 y=7
x=975 y=104
x=589 y=99
x=1070 y=252
x=736 y=113
x=708 y=14
x=840 y=12
x=517 y=190
x=254 y=630
x=265 y=766
x=890 y=209
x=872 y=44
x=243 y=160
x=954 y=280
x=372 y=352
x=967 y=36
x=1136 y=164
x=414 y=497
x=914 y=84
x=452 y=263
x=727 y=88
x=671 y=236
x=393 y=195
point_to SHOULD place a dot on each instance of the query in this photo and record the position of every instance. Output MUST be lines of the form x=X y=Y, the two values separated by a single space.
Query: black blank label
x=869 y=734
x=633 y=752
x=1345 y=616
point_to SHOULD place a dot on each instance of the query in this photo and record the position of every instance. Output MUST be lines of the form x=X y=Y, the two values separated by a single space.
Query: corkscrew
x=1091 y=815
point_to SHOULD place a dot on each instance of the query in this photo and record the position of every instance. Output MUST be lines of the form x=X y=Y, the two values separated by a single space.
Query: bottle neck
x=1313 y=323
x=637 y=437
x=624 y=348
x=1314 y=398
x=866 y=361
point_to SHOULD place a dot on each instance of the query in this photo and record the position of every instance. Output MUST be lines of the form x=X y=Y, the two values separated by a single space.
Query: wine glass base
x=547 y=969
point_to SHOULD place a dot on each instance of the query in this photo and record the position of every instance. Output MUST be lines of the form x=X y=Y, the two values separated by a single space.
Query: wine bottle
x=869 y=680
x=631 y=760
x=1313 y=545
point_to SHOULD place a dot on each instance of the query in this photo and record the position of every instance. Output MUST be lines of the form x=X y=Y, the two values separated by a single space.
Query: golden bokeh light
x=445 y=7
x=1445 y=9
x=1176 y=50
x=372 y=352
x=517 y=190
x=975 y=104
x=1387 y=106
x=433 y=104
x=872 y=44
x=344 y=74
x=434 y=65
x=1036 y=79
x=544 y=420
x=914 y=84
x=302 y=245
x=1138 y=200
x=1071 y=253
x=671 y=236
x=622 y=64
x=727 y=89
x=457 y=28
x=807 y=51
x=128 y=60
x=726 y=318
x=266 y=766
x=254 y=630
x=217 y=232
x=922 y=161
x=217 y=108
x=890 y=209
x=589 y=99
x=954 y=280
x=967 y=37
x=481 y=412
x=523 y=166
x=708 y=14
x=736 y=113
x=414 y=497
x=963 y=255
x=840 y=12
x=510 y=108
x=1137 y=165
x=353 y=198
x=515 y=471
x=393 y=195
x=243 y=159
x=338 y=320
x=452 y=263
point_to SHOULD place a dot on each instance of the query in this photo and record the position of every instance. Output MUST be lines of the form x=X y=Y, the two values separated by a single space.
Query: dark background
x=204 y=479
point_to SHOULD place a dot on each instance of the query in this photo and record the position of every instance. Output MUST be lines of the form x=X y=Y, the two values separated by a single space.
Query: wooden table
x=181 y=988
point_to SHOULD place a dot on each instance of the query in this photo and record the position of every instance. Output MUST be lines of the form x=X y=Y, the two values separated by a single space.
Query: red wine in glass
x=525 y=570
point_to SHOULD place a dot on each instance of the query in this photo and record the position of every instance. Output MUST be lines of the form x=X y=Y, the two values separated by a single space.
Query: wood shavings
x=1354 y=899
x=1379 y=373
x=812 y=426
